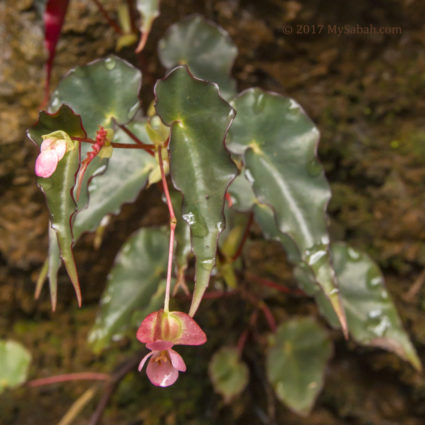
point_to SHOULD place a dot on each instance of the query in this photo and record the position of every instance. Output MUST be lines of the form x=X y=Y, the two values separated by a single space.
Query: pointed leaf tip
x=63 y=124
x=199 y=120
x=372 y=318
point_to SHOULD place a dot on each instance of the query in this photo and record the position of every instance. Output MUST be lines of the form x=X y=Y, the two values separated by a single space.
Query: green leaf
x=265 y=218
x=134 y=279
x=14 y=363
x=201 y=167
x=206 y=48
x=127 y=174
x=54 y=262
x=296 y=363
x=58 y=188
x=279 y=144
x=229 y=242
x=102 y=90
x=371 y=315
x=96 y=167
x=242 y=195
x=228 y=373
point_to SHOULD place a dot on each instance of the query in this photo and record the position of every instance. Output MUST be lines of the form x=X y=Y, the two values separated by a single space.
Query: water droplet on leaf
x=110 y=63
x=353 y=254
x=374 y=279
x=249 y=176
x=189 y=218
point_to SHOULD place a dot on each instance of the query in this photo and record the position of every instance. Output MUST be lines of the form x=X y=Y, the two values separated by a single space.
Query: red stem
x=133 y=15
x=244 y=237
x=146 y=148
x=244 y=335
x=274 y=285
x=111 y=387
x=105 y=14
x=82 y=376
x=133 y=136
x=268 y=315
x=262 y=306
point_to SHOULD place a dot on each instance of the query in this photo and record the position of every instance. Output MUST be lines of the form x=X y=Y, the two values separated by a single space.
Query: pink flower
x=160 y=331
x=52 y=150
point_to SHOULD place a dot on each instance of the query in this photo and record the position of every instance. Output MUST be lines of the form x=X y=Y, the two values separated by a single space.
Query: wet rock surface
x=365 y=93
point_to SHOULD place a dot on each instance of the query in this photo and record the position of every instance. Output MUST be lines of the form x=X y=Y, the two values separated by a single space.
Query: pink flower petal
x=191 y=333
x=60 y=148
x=161 y=373
x=143 y=361
x=159 y=345
x=46 y=163
x=146 y=331
x=175 y=326
x=47 y=144
x=177 y=360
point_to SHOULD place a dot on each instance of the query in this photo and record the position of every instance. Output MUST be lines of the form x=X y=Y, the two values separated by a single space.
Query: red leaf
x=54 y=17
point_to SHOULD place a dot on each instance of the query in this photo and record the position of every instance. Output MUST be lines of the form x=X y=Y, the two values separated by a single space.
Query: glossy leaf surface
x=296 y=363
x=96 y=167
x=228 y=373
x=279 y=145
x=54 y=264
x=242 y=194
x=371 y=315
x=201 y=168
x=139 y=268
x=14 y=363
x=58 y=188
x=205 y=48
x=102 y=90
x=127 y=174
x=265 y=218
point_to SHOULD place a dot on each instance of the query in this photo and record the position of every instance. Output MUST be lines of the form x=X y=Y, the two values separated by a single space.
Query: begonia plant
x=224 y=160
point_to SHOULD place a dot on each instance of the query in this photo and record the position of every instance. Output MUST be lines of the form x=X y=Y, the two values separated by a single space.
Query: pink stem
x=83 y=376
x=142 y=42
x=173 y=223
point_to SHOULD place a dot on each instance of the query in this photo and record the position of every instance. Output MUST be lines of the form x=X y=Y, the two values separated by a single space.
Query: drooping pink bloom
x=160 y=331
x=52 y=150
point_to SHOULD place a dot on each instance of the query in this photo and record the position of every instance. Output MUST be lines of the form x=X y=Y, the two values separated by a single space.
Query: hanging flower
x=160 y=331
